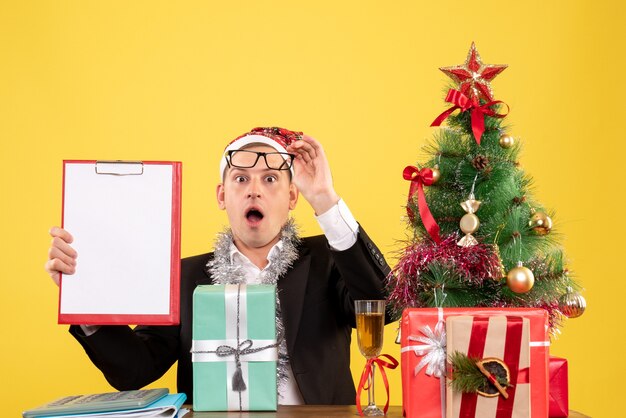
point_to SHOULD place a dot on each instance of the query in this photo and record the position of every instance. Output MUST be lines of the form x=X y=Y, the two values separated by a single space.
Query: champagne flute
x=370 y=323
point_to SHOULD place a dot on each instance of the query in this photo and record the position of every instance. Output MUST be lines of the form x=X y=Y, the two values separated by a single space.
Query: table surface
x=312 y=411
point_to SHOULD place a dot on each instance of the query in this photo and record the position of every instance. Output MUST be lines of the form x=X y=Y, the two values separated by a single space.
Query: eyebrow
x=246 y=170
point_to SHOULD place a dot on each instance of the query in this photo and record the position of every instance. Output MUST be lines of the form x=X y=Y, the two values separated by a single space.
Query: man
x=318 y=278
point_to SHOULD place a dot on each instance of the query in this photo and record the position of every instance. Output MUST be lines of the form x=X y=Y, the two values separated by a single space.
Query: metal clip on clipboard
x=119 y=167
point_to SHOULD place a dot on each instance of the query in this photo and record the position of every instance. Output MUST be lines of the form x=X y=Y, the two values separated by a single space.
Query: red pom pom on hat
x=284 y=137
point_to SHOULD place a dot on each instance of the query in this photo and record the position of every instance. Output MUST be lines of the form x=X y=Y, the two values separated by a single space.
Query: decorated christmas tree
x=478 y=238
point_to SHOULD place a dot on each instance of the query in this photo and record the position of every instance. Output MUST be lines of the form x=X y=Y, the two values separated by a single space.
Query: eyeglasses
x=248 y=159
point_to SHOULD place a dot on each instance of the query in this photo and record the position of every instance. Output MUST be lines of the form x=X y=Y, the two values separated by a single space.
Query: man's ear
x=293 y=196
x=219 y=194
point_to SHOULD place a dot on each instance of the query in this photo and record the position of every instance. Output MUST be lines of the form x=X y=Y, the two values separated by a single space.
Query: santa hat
x=277 y=138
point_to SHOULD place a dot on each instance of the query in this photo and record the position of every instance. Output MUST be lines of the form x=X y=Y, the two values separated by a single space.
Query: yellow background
x=159 y=80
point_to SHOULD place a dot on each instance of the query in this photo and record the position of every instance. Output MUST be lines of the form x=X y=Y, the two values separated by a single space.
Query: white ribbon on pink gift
x=433 y=350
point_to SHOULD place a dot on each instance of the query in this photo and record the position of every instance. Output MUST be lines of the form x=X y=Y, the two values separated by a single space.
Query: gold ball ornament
x=540 y=223
x=506 y=141
x=436 y=173
x=520 y=279
x=469 y=223
x=572 y=304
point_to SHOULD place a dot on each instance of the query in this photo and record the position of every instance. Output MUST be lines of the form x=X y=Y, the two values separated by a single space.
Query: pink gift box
x=559 y=399
x=423 y=396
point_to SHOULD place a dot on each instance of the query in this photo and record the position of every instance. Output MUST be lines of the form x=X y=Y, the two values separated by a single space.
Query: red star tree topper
x=473 y=77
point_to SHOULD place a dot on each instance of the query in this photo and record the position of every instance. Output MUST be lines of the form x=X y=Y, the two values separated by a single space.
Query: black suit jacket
x=317 y=299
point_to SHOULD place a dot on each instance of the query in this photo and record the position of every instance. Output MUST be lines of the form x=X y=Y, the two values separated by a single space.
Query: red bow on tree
x=418 y=179
x=461 y=101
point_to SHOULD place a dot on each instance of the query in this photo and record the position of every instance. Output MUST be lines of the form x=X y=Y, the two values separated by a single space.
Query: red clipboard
x=125 y=220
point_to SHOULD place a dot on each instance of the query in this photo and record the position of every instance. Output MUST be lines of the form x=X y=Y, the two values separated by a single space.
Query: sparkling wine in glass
x=370 y=323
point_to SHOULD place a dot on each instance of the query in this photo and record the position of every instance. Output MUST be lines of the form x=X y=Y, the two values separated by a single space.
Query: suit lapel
x=291 y=290
x=204 y=277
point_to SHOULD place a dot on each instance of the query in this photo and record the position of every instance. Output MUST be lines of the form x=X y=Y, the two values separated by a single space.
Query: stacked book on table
x=127 y=404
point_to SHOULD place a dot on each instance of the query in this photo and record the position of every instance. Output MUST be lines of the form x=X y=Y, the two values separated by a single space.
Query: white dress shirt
x=341 y=229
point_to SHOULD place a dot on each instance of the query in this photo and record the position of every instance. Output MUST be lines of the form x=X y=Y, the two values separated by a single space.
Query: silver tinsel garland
x=224 y=272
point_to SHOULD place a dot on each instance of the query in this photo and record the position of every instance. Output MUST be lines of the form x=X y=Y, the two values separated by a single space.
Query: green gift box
x=234 y=348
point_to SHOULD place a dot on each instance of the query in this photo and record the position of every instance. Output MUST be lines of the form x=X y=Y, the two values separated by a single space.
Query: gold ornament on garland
x=520 y=279
x=572 y=304
x=436 y=173
x=399 y=335
x=506 y=141
x=469 y=222
x=540 y=223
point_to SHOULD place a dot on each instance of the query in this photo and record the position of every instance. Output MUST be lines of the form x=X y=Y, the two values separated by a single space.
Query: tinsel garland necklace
x=223 y=271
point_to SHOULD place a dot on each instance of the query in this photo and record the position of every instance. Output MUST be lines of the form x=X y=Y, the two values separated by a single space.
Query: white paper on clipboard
x=125 y=220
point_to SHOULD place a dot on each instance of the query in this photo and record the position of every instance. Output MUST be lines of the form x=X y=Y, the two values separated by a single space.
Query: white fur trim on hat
x=247 y=140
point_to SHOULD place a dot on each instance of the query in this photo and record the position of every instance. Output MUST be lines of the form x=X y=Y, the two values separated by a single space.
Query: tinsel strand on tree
x=487 y=221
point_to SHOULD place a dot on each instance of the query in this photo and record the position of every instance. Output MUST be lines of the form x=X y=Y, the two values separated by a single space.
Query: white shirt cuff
x=339 y=226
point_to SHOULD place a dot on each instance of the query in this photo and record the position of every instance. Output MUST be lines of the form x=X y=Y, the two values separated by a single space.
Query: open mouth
x=254 y=215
